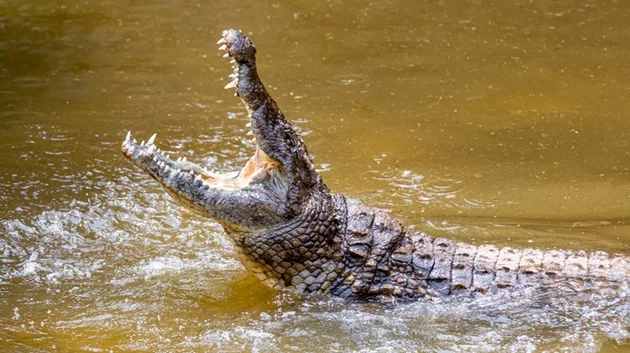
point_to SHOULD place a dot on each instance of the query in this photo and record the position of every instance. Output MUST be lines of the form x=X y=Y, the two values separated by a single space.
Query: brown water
x=504 y=122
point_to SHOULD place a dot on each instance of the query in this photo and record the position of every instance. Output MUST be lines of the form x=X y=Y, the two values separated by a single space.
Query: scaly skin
x=290 y=231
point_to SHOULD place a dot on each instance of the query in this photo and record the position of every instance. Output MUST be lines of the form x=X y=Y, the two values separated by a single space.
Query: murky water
x=504 y=122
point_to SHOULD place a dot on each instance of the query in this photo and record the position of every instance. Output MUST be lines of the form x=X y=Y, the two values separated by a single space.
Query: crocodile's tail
x=459 y=268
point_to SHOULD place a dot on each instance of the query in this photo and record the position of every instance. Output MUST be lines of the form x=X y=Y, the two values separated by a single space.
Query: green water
x=500 y=121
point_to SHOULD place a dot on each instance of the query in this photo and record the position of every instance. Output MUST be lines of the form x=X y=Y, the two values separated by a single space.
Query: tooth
x=142 y=143
x=223 y=47
x=179 y=159
x=152 y=139
x=221 y=41
x=254 y=140
x=226 y=55
x=166 y=155
x=230 y=85
x=249 y=133
x=158 y=150
x=128 y=136
x=134 y=141
x=184 y=159
x=155 y=158
x=166 y=169
x=234 y=75
x=248 y=125
x=151 y=148
x=231 y=61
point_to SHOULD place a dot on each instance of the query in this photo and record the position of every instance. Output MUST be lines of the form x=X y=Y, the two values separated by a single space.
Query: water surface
x=502 y=121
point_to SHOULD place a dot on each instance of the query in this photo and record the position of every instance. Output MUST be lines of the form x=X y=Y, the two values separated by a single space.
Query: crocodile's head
x=273 y=185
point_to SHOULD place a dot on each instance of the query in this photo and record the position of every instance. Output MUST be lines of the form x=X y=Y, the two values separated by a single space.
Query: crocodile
x=290 y=231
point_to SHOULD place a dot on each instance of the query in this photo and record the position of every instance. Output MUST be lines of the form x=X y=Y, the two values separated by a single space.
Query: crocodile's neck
x=304 y=253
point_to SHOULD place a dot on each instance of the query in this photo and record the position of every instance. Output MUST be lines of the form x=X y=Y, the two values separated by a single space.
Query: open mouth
x=180 y=172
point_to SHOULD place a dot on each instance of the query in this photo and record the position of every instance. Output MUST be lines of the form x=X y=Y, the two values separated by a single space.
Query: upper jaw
x=273 y=133
x=238 y=46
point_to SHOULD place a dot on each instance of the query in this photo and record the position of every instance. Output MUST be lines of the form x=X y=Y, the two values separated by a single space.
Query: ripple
x=521 y=322
x=347 y=79
x=163 y=265
x=430 y=192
